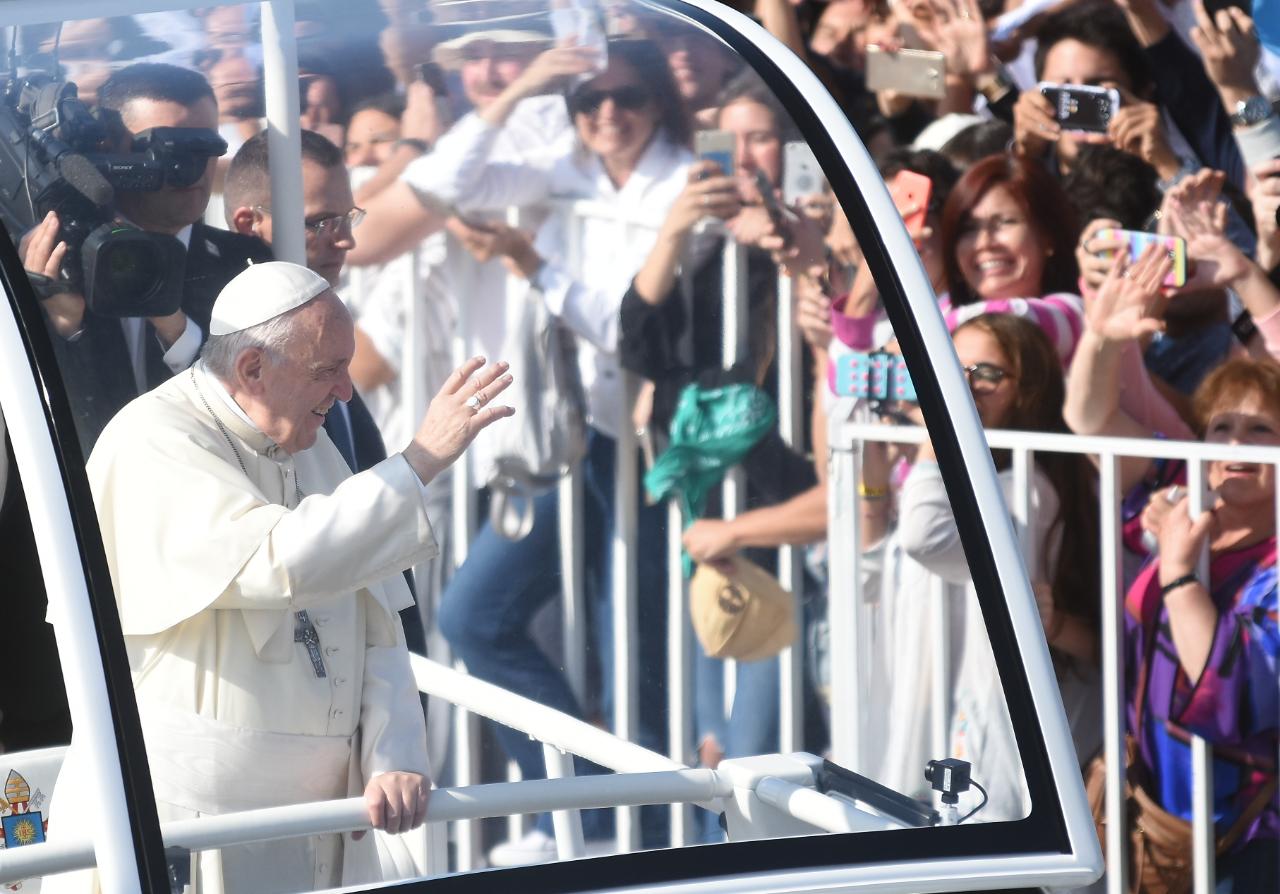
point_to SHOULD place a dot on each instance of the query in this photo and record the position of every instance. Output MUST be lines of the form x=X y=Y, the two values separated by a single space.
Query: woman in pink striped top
x=1009 y=235
x=1007 y=245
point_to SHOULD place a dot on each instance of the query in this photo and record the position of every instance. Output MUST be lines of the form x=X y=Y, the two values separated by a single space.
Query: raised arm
x=1125 y=309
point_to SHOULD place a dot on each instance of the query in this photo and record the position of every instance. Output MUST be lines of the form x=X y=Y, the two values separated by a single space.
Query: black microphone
x=86 y=179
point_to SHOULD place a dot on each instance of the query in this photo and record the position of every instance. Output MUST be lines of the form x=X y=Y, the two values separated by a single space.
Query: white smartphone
x=581 y=23
x=801 y=175
x=718 y=146
x=911 y=72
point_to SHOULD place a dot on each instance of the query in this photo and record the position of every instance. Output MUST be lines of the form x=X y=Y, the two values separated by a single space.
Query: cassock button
x=330 y=650
x=339 y=681
x=337 y=712
x=321 y=620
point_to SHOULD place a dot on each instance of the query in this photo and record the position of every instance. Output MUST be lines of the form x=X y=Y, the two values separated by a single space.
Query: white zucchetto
x=263 y=292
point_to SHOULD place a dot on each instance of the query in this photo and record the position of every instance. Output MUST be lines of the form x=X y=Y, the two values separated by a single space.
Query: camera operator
x=109 y=360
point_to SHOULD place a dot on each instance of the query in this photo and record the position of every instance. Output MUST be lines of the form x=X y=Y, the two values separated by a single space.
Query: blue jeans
x=752 y=726
x=487 y=606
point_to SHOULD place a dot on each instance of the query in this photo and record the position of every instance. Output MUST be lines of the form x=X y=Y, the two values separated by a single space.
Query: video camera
x=54 y=157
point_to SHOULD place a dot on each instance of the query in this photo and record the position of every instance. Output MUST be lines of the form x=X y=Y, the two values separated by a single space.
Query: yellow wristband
x=872 y=493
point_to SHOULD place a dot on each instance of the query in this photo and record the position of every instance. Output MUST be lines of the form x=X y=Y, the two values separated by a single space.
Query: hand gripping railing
x=643 y=777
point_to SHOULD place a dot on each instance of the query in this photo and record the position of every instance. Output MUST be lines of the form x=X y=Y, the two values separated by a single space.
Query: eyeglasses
x=588 y=102
x=985 y=378
x=334 y=226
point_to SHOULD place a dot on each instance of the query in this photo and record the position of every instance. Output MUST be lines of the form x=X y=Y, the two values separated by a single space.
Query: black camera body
x=54 y=157
x=950 y=776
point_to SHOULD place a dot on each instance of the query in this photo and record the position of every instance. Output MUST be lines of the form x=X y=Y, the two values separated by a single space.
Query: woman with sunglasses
x=784 y=503
x=1015 y=377
x=629 y=157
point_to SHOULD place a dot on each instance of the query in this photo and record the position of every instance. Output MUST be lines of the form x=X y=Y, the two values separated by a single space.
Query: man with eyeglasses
x=330 y=216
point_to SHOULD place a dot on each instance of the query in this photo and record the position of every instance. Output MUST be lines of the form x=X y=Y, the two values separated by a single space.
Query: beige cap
x=263 y=292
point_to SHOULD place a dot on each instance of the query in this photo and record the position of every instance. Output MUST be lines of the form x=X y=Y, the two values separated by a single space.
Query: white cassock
x=216 y=538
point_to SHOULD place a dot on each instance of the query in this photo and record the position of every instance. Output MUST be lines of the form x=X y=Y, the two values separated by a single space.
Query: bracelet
x=1179 y=582
x=872 y=493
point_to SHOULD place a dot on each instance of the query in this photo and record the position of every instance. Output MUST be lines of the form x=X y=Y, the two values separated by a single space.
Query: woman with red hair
x=1008 y=236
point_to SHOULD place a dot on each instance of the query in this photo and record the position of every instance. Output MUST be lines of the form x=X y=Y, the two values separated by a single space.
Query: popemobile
x=124 y=274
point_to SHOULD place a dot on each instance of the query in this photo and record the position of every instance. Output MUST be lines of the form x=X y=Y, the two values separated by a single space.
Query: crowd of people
x=480 y=159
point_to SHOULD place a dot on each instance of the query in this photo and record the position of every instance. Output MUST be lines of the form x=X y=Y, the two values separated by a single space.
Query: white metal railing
x=626 y=721
x=845 y=577
x=642 y=777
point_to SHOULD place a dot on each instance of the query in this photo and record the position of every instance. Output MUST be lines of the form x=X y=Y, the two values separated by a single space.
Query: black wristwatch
x=1251 y=111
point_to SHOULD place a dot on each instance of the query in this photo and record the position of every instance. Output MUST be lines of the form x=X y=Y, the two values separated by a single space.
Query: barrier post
x=1113 y=703
x=1203 y=839
x=790 y=356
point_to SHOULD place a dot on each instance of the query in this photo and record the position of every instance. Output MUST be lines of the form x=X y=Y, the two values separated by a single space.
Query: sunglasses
x=985 y=377
x=588 y=102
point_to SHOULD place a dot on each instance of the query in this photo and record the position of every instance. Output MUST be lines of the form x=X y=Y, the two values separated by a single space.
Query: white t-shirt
x=590 y=264
x=923 y=554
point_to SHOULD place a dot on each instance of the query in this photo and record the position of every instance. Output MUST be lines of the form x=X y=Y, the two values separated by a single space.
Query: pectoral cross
x=305 y=632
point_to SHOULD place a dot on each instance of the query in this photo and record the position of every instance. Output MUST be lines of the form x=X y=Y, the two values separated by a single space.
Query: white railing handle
x=446 y=805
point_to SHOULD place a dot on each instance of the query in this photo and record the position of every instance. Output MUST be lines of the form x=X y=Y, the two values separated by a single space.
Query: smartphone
x=877 y=376
x=1213 y=7
x=777 y=216
x=912 y=72
x=581 y=23
x=1136 y=241
x=1081 y=107
x=718 y=146
x=432 y=74
x=911 y=192
x=801 y=175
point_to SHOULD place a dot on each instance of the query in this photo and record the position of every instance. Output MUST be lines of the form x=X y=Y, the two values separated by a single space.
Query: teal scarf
x=711 y=431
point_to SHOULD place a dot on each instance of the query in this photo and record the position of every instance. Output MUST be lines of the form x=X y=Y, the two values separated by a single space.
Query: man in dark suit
x=329 y=213
x=107 y=361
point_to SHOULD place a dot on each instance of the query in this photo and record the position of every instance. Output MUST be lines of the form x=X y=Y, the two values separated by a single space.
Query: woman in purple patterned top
x=1213 y=663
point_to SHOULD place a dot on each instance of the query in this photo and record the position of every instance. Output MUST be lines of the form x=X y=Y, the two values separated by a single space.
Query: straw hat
x=452 y=53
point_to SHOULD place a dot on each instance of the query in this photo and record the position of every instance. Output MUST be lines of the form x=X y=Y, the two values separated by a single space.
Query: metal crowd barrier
x=465 y=748
x=640 y=777
x=848 y=616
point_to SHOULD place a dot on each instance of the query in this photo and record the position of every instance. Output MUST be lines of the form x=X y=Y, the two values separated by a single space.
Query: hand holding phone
x=919 y=73
x=717 y=146
x=1135 y=241
x=802 y=176
x=911 y=193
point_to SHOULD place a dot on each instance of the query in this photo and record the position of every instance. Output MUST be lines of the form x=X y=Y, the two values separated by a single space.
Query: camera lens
x=132 y=268
x=184 y=171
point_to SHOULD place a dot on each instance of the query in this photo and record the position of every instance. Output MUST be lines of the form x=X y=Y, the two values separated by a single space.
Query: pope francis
x=258 y=581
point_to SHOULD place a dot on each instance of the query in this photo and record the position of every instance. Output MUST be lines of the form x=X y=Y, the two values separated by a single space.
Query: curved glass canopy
x=661 y=181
